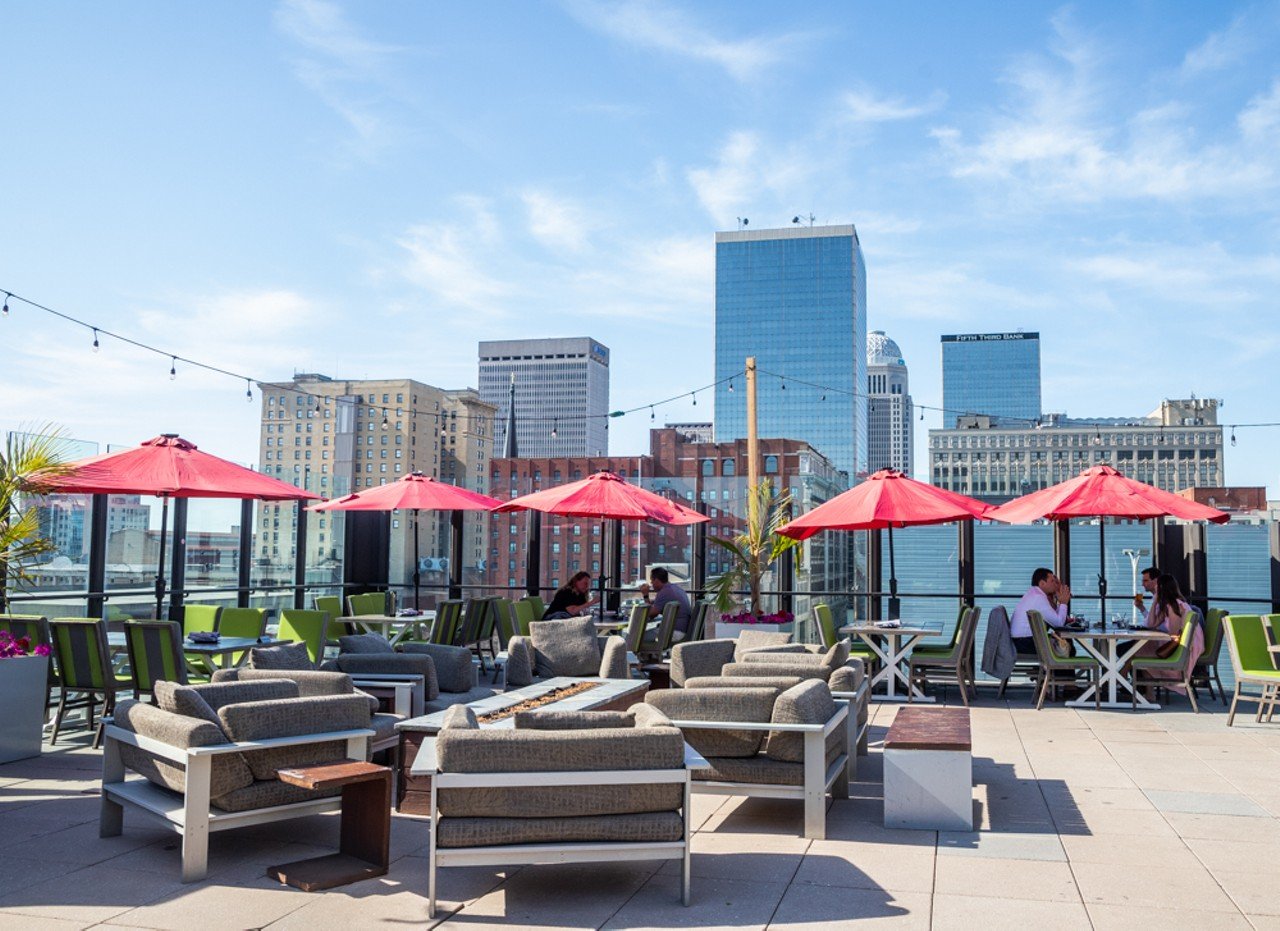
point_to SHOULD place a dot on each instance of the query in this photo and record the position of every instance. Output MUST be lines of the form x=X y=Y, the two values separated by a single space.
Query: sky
x=368 y=189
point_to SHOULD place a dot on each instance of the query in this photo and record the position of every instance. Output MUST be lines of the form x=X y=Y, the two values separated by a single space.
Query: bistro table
x=893 y=646
x=225 y=648
x=1112 y=648
x=394 y=629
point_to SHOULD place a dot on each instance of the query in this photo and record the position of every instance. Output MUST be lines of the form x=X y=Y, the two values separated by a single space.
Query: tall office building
x=561 y=391
x=335 y=436
x=890 y=429
x=991 y=374
x=796 y=299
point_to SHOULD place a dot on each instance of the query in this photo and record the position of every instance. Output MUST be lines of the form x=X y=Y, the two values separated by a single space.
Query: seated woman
x=573 y=598
x=1168 y=613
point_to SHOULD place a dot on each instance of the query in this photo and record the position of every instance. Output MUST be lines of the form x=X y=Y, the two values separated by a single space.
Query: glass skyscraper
x=997 y=374
x=796 y=299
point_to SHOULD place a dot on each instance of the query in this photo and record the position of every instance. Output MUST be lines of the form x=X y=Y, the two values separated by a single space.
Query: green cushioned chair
x=368 y=603
x=448 y=618
x=944 y=649
x=634 y=634
x=309 y=627
x=1251 y=659
x=242 y=622
x=155 y=655
x=84 y=666
x=1206 y=669
x=1051 y=662
x=698 y=623
x=538 y=605
x=198 y=618
x=826 y=624
x=1178 y=661
x=956 y=664
x=526 y=613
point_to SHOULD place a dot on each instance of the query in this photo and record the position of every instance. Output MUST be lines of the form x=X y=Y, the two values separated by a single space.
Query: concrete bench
x=928 y=770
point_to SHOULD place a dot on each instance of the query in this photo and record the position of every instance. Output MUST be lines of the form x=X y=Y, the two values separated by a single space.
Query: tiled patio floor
x=1088 y=819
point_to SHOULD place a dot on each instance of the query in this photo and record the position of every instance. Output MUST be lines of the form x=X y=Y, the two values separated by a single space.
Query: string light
x=784 y=383
x=173 y=367
x=695 y=399
x=1233 y=436
x=95 y=339
x=7 y=295
x=555 y=423
x=384 y=419
x=652 y=415
x=731 y=386
x=248 y=391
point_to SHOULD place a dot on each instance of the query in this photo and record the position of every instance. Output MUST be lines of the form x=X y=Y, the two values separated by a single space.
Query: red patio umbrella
x=168 y=466
x=887 y=499
x=1101 y=491
x=414 y=492
x=606 y=496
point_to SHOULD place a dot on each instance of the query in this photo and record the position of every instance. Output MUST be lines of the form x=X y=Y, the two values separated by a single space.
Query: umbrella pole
x=417 y=563
x=164 y=520
x=1102 y=569
x=894 y=606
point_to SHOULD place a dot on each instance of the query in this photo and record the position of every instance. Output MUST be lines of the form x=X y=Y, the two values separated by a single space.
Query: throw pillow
x=565 y=648
x=292 y=656
x=807 y=703
x=460 y=716
x=364 y=643
x=836 y=657
x=572 y=720
x=751 y=639
x=184 y=700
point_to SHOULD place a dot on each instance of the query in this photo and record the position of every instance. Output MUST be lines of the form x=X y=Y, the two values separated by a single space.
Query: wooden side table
x=364 y=850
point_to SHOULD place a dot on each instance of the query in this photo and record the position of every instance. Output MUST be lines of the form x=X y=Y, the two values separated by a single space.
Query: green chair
x=657 y=639
x=448 y=616
x=35 y=628
x=250 y=623
x=539 y=607
x=826 y=624
x=698 y=623
x=330 y=604
x=199 y=619
x=1178 y=661
x=468 y=634
x=1251 y=659
x=155 y=655
x=944 y=649
x=636 y=623
x=309 y=627
x=525 y=614
x=374 y=603
x=84 y=666
x=956 y=664
x=1051 y=662
x=1206 y=670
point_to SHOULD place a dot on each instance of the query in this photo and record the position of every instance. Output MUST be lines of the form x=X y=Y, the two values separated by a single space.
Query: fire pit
x=529 y=704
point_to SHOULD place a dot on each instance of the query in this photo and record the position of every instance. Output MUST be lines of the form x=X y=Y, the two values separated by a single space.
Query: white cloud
x=747 y=175
x=1205 y=275
x=654 y=25
x=956 y=292
x=865 y=106
x=1223 y=48
x=1066 y=136
x=453 y=263
x=556 y=222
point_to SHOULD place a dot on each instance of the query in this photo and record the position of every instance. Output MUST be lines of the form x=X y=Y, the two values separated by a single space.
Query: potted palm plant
x=751 y=555
x=28 y=459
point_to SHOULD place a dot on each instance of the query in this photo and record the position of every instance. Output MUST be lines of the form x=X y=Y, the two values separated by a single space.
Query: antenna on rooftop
x=798 y=219
x=742 y=223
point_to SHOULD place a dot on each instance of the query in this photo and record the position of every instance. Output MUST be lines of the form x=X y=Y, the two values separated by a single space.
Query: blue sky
x=369 y=189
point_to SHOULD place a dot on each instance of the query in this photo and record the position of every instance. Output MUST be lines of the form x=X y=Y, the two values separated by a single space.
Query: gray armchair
x=557 y=787
x=449 y=674
x=564 y=648
x=209 y=755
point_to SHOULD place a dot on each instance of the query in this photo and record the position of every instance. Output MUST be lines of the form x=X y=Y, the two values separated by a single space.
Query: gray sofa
x=551 y=790
x=778 y=737
x=209 y=755
x=450 y=676
x=567 y=647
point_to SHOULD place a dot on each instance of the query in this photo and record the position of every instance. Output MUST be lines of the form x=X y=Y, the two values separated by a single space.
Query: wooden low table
x=928 y=770
x=364 y=850
x=414 y=795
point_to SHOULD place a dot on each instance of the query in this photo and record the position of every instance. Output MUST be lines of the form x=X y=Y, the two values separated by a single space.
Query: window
x=708 y=468
x=770 y=465
x=728 y=468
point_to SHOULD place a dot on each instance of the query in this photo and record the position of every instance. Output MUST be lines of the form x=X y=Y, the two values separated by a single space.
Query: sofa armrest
x=699 y=658
x=454 y=671
x=519 y=668
x=405 y=664
x=613 y=664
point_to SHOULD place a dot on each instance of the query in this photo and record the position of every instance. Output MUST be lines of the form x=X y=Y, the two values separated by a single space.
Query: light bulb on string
x=731 y=386
x=384 y=419
x=1233 y=436
x=695 y=398
x=652 y=415
x=7 y=295
x=784 y=383
x=824 y=396
x=248 y=391
x=555 y=423
x=173 y=367
x=95 y=339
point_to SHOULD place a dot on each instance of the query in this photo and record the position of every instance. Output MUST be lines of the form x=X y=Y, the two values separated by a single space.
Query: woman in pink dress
x=1168 y=614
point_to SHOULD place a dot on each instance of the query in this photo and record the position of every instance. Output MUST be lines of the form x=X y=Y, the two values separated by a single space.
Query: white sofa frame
x=529 y=854
x=189 y=813
x=819 y=779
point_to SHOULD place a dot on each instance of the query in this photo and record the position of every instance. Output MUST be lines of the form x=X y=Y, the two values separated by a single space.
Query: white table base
x=1111 y=680
x=893 y=648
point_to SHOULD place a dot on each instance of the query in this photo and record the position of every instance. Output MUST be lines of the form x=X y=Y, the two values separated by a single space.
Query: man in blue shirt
x=664 y=592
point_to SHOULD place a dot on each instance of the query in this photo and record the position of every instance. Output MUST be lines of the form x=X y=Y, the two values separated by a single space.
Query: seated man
x=1051 y=597
x=665 y=591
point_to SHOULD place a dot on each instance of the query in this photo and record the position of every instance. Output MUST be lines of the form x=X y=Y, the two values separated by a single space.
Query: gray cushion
x=807 y=703
x=293 y=717
x=848 y=678
x=542 y=802
x=501 y=750
x=565 y=648
x=805 y=669
x=227 y=772
x=453 y=667
x=364 y=643
x=733 y=704
x=648 y=716
x=267 y=794
x=781 y=683
x=750 y=639
x=572 y=720
x=460 y=716
x=489 y=832
x=757 y=770
x=218 y=694
x=384 y=726
x=184 y=700
x=285 y=656
x=837 y=656
x=449 y=699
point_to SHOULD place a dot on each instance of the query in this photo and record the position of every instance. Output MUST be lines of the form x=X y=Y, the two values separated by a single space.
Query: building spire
x=509 y=450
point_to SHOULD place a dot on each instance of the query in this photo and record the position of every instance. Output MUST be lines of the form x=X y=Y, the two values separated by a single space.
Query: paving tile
x=80 y=844
x=964 y=912
x=1042 y=880
x=1061 y=796
x=1224 y=827
x=1121 y=850
x=1225 y=855
x=733 y=856
x=1105 y=821
x=15 y=921
x=1143 y=886
x=1001 y=846
x=568 y=896
x=92 y=894
x=863 y=865
x=243 y=899
x=1128 y=917
x=731 y=905
x=852 y=909
x=1253 y=889
x=758 y=816
x=1206 y=803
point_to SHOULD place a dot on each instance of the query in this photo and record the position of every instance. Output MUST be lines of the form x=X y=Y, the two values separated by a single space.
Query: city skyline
x=300 y=195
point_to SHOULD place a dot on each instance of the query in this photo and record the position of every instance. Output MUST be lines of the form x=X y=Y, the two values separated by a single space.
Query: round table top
x=1112 y=633
x=905 y=629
